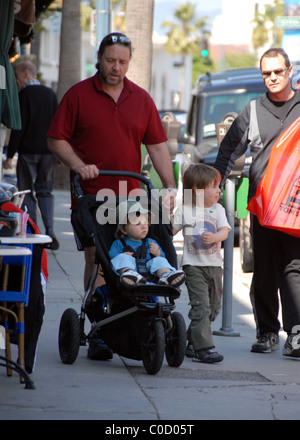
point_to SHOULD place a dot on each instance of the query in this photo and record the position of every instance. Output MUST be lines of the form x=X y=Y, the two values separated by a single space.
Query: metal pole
x=102 y=20
x=226 y=329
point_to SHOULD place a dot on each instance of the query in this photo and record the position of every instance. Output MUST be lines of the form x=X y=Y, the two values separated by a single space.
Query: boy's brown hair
x=199 y=176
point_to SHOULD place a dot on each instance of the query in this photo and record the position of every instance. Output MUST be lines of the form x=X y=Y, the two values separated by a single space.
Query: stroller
x=137 y=322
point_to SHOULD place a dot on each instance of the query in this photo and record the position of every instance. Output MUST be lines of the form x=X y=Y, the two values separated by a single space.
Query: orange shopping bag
x=277 y=200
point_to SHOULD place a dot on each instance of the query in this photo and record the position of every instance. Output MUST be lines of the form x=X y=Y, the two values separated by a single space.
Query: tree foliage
x=240 y=61
x=264 y=25
x=185 y=36
x=186 y=33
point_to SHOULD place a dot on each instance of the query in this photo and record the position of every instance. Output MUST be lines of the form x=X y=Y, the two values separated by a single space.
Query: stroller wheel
x=176 y=340
x=154 y=347
x=69 y=336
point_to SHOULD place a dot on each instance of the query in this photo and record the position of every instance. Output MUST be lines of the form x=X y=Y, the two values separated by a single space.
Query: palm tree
x=264 y=24
x=186 y=34
x=70 y=47
x=139 y=28
x=69 y=65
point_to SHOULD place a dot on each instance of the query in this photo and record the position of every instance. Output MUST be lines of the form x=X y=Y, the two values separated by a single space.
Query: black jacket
x=38 y=104
x=258 y=127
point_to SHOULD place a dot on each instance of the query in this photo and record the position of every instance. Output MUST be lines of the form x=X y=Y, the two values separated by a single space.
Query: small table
x=4 y=295
x=26 y=239
x=17 y=250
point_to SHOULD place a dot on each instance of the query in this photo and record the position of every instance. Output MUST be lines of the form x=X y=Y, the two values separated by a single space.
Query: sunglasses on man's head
x=113 y=39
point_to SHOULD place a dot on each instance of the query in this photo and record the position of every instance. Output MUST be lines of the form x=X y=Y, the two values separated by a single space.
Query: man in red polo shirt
x=101 y=123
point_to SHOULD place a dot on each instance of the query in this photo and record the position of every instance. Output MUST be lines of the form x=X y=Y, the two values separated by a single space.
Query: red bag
x=277 y=200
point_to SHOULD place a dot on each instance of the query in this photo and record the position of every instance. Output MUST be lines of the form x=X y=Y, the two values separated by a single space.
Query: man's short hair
x=273 y=53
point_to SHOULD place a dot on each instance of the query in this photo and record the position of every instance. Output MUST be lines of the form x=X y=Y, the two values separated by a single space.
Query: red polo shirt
x=106 y=133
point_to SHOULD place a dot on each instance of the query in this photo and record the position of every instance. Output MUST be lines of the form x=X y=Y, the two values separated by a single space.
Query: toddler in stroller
x=134 y=256
x=136 y=319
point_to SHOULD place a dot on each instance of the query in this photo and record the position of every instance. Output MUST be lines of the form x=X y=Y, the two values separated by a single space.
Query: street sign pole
x=102 y=20
x=226 y=329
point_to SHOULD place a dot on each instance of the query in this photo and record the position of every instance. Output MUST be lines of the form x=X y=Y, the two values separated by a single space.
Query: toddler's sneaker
x=173 y=278
x=207 y=355
x=131 y=278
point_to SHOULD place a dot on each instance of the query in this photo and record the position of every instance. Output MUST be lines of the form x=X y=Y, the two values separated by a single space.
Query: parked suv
x=214 y=96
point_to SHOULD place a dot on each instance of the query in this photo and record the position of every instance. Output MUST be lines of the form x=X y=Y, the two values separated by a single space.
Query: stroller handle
x=77 y=190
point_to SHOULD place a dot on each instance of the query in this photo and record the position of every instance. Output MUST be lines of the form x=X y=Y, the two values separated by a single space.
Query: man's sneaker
x=292 y=345
x=189 y=351
x=266 y=343
x=131 y=278
x=54 y=245
x=98 y=350
x=207 y=355
x=173 y=278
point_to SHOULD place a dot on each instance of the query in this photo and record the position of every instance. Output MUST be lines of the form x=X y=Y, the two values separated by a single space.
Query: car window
x=217 y=106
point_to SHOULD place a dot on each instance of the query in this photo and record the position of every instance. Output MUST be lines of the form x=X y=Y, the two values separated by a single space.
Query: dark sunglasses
x=277 y=72
x=114 y=39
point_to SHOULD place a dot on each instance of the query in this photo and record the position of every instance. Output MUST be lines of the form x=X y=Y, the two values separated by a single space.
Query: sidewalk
x=244 y=386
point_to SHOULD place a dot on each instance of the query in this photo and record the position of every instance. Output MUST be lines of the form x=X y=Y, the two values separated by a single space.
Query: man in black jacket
x=36 y=163
x=276 y=254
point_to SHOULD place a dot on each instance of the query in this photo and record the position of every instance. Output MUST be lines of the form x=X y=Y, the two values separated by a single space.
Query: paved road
x=245 y=386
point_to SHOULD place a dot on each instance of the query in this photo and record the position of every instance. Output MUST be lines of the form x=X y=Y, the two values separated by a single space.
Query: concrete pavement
x=245 y=386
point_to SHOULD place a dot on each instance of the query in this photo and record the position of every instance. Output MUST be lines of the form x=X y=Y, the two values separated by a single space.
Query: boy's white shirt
x=193 y=223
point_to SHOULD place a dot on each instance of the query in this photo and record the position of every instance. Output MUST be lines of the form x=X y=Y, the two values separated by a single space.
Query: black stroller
x=138 y=322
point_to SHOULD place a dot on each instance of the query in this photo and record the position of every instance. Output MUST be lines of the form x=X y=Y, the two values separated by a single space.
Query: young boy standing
x=205 y=226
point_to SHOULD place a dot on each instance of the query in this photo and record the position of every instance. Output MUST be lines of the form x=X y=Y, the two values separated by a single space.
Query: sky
x=164 y=10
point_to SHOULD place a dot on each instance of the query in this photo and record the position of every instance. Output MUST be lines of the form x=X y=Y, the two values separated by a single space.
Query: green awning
x=9 y=101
